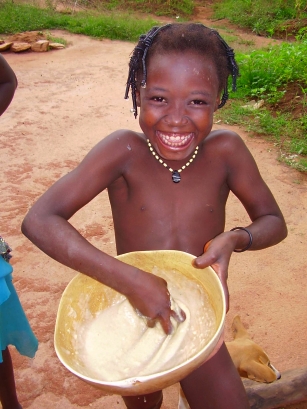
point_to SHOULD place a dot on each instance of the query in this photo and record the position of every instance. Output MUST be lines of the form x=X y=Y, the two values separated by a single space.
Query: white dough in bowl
x=116 y=343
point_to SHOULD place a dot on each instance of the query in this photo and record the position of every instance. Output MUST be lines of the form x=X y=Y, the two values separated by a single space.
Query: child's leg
x=215 y=385
x=8 y=396
x=150 y=401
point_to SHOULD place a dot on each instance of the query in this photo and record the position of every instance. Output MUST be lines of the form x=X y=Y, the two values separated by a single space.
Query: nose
x=277 y=373
x=176 y=115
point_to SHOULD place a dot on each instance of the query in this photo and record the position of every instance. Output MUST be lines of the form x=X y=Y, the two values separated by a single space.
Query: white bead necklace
x=176 y=177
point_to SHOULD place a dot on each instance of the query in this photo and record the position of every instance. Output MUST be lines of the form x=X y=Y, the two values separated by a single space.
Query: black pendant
x=176 y=176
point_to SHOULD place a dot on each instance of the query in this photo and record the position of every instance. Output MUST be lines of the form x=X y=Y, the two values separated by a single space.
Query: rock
x=253 y=105
x=40 y=46
x=28 y=37
x=5 y=46
x=18 y=47
x=56 y=46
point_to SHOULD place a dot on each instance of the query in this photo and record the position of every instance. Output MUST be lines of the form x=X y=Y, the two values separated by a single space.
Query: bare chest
x=150 y=211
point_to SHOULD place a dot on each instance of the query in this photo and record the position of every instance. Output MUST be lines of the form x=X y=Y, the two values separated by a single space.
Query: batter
x=117 y=343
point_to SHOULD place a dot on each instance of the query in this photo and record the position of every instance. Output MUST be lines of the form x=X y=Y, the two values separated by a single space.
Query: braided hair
x=180 y=37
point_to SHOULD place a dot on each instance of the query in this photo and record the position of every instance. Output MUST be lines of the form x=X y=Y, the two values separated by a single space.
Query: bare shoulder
x=234 y=155
x=106 y=162
x=229 y=146
x=115 y=149
x=224 y=139
x=122 y=139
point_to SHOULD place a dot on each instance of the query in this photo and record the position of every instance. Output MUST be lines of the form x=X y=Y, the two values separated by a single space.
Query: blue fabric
x=5 y=271
x=14 y=326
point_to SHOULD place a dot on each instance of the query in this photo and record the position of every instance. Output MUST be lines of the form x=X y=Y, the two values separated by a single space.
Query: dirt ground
x=65 y=103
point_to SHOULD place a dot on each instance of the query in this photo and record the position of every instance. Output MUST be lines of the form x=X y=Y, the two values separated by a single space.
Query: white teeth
x=175 y=140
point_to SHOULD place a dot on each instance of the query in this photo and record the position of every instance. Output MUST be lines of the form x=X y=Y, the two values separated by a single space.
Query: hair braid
x=233 y=69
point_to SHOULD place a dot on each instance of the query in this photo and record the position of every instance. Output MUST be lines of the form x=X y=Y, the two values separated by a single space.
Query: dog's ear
x=238 y=328
x=236 y=322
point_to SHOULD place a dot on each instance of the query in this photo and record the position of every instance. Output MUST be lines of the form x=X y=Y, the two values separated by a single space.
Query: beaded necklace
x=176 y=177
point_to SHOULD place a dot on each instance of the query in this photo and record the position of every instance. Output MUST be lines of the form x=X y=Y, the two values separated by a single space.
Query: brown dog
x=249 y=358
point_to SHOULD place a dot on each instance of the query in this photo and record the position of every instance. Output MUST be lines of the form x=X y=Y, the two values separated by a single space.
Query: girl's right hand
x=150 y=297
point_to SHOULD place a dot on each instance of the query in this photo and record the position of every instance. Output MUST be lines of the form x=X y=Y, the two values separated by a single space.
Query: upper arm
x=8 y=84
x=246 y=182
x=105 y=163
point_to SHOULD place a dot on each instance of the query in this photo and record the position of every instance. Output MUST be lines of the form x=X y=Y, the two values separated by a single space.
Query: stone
x=27 y=37
x=40 y=46
x=5 y=46
x=56 y=46
x=18 y=47
x=253 y=105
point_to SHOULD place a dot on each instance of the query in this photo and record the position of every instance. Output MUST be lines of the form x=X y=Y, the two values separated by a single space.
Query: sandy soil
x=66 y=102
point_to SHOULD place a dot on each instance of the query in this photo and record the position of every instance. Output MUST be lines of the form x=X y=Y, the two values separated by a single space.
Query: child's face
x=177 y=105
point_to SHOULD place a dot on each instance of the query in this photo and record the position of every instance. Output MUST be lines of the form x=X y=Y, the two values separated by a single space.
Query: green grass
x=287 y=133
x=53 y=39
x=16 y=18
x=268 y=75
x=264 y=17
x=159 y=7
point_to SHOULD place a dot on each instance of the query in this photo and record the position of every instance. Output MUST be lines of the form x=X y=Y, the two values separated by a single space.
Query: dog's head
x=255 y=365
x=249 y=358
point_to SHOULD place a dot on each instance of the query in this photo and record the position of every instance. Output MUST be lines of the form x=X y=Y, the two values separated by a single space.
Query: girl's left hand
x=217 y=253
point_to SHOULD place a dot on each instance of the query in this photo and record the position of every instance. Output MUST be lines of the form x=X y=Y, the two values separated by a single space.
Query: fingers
x=178 y=316
x=167 y=326
x=204 y=260
x=151 y=322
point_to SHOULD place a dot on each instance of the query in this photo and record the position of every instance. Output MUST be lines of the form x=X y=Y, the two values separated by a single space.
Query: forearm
x=266 y=231
x=7 y=91
x=57 y=238
x=8 y=84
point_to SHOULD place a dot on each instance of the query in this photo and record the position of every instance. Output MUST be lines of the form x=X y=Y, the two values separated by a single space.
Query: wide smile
x=175 y=140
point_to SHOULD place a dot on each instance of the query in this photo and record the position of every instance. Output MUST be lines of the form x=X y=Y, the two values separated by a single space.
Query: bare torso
x=150 y=211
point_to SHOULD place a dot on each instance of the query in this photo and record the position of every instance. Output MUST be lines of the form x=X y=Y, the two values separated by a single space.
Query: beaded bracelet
x=250 y=239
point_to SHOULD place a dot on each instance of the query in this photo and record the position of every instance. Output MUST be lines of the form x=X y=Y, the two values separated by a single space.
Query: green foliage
x=262 y=16
x=160 y=7
x=16 y=18
x=290 y=135
x=24 y=17
x=265 y=73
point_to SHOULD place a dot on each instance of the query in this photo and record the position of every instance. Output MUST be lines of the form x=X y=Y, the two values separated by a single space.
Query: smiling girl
x=168 y=187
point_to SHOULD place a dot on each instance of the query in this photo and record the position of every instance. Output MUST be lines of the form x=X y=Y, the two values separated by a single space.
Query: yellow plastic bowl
x=84 y=296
